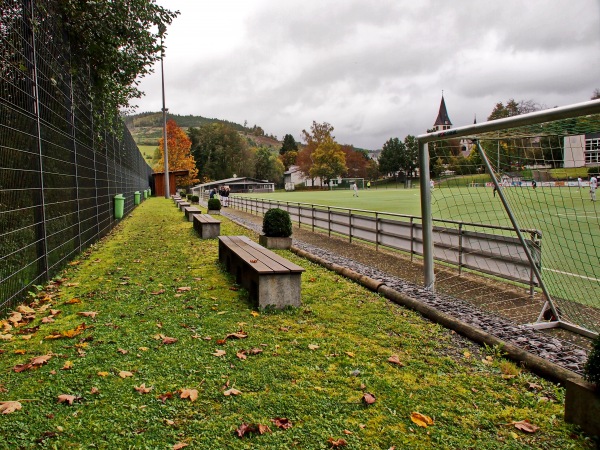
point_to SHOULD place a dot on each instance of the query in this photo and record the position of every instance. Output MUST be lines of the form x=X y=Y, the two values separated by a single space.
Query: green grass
x=133 y=280
x=147 y=151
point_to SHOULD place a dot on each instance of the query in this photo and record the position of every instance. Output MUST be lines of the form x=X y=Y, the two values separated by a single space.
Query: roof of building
x=442 y=118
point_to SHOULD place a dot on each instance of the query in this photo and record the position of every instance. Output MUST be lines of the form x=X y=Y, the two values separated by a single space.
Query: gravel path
x=559 y=351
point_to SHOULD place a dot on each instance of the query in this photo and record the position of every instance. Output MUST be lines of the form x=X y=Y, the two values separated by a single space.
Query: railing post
x=426 y=219
x=460 y=248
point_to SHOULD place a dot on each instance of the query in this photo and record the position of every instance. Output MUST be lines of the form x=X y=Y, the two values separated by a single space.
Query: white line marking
x=571 y=274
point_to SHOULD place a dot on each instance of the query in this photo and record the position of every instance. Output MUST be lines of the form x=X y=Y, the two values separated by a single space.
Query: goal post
x=346 y=183
x=522 y=173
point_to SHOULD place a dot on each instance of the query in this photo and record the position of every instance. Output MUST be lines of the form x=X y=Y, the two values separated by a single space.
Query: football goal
x=533 y=176
x=346 y=183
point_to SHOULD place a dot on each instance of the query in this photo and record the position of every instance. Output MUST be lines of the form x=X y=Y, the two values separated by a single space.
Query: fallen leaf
x=164 y=397
x=232 y=391
x=335 y=443
x=48 y=319
x=161 y=291
x=192 y=394
x=282 y=422
x=142 y=389
x=125 y=374
x=239 y=335
x=184 y=289
x=25 y=309
x=168 y=340
x=103 y=374
x=313 y=346
x=68 y=365
x=10 y=407
x=40 y=360
x=368 y=398
x=255 y=313
x=421 y=419
x=94 y=390
x=179 y=445
x=395 y=359
x=241 y=355
x=20 y=351
x=73 y=301
x=122 y=351
x=91 y=314
x=526 y=426
x=350 y=354
x=533 y=386
x=219 y=353
x=348 y=432
x=65 y=398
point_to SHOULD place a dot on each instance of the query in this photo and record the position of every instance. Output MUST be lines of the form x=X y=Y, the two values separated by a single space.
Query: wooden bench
x=207 y=226
x=189 y=212
x=270 y=279
x=183 y=205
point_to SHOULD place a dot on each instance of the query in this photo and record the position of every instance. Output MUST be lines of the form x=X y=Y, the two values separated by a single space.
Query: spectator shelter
x=236 y=185
x=158 y=179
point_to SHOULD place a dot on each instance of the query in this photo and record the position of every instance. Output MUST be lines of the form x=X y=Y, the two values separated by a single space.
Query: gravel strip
x=557 y=351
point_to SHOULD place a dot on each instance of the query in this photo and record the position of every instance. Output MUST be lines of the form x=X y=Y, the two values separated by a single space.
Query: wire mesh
x=58 y=173
x=545 y=173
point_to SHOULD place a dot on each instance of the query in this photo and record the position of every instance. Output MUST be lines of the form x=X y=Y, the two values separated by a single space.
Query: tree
x=329 y=161
x=180 y=158
x=220 y=152
x=409 y=160
x=319 y=133
x=356 y=161
x=268 y=166
x=389 y=160
x=289 y=145
x=596 y=94
x=117 y=41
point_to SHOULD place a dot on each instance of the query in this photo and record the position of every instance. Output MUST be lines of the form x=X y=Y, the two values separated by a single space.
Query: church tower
x=443 y=121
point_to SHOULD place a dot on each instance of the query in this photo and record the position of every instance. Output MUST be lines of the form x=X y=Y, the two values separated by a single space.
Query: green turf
x=159 y=310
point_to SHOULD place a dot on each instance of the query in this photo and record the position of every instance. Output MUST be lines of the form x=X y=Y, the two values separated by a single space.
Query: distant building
x=443 y=120
x=582 y=150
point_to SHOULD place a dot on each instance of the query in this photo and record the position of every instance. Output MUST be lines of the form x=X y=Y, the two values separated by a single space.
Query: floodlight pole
x=164 y=112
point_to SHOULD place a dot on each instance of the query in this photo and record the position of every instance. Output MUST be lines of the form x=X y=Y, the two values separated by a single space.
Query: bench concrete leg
x=279 y=290
x=210 y=230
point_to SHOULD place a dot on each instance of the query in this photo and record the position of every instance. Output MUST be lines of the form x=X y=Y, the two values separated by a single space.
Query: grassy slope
x=132 y=280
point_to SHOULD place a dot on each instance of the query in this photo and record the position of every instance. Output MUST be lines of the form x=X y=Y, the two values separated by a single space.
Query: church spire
x=443 y=120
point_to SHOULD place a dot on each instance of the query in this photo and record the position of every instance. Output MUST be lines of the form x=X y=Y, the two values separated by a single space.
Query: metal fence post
x=426 y=219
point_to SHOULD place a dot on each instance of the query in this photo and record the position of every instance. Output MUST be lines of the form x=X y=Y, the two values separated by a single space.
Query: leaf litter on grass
x=292 y=377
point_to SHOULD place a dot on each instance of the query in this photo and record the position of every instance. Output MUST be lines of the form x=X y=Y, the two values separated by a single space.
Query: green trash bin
x=119 y=206
x=145 y=193
x=136 y=197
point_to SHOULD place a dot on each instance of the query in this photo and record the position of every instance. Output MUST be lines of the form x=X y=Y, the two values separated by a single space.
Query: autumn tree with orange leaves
x=180 y=157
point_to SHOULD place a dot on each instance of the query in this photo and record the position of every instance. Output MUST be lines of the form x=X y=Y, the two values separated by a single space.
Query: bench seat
x=270 y=279
x=189 y=212
x=183 y=204
x=206 y=226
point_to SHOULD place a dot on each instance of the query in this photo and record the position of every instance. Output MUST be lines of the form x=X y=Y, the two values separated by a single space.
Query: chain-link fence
x=58 y=173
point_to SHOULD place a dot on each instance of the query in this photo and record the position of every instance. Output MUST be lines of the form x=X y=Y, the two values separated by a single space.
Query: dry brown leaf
x=335 y=443
x=168 y=340
x=91 y=314
x=23 y=309
x=348 y=432
x=179 y=445
x=122 y=351
x=20 y=351
x=239 y=335
x=10 y=407
x=192 y=394
x=313 y=346
x=142 y=389
x=232 y=391
x=94 y=390
x=161 y=291
x=103 y=374
x=282 y=422
x=15 y=317
x=184 y=289
x=65 y=398
x=421 y=419
x=55 y=312
x=395 y=359
x=48 y=319
x=40 y=360
x=350 y=354
x=526 y=426
x=125 y=374
x=219 y=352
x=368 y=398
x=164 y=397
x=73 y=301
x=255 y=313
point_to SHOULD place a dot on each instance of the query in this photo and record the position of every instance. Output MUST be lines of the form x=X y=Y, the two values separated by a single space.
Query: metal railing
x=58 y=173
x=462 y=244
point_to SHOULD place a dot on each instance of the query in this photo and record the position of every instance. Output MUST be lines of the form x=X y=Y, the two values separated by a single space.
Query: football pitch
x=566 y=217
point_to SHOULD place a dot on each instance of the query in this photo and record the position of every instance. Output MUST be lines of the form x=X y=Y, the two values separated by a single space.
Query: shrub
x=592 y=366
x=182 y=194
x=214 y=203
x=195 y=199
x=277 y=223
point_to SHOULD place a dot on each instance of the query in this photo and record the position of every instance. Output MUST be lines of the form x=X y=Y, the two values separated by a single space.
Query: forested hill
x=146 y=127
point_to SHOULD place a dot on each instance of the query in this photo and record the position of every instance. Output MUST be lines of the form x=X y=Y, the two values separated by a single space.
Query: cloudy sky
x=373 y=69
